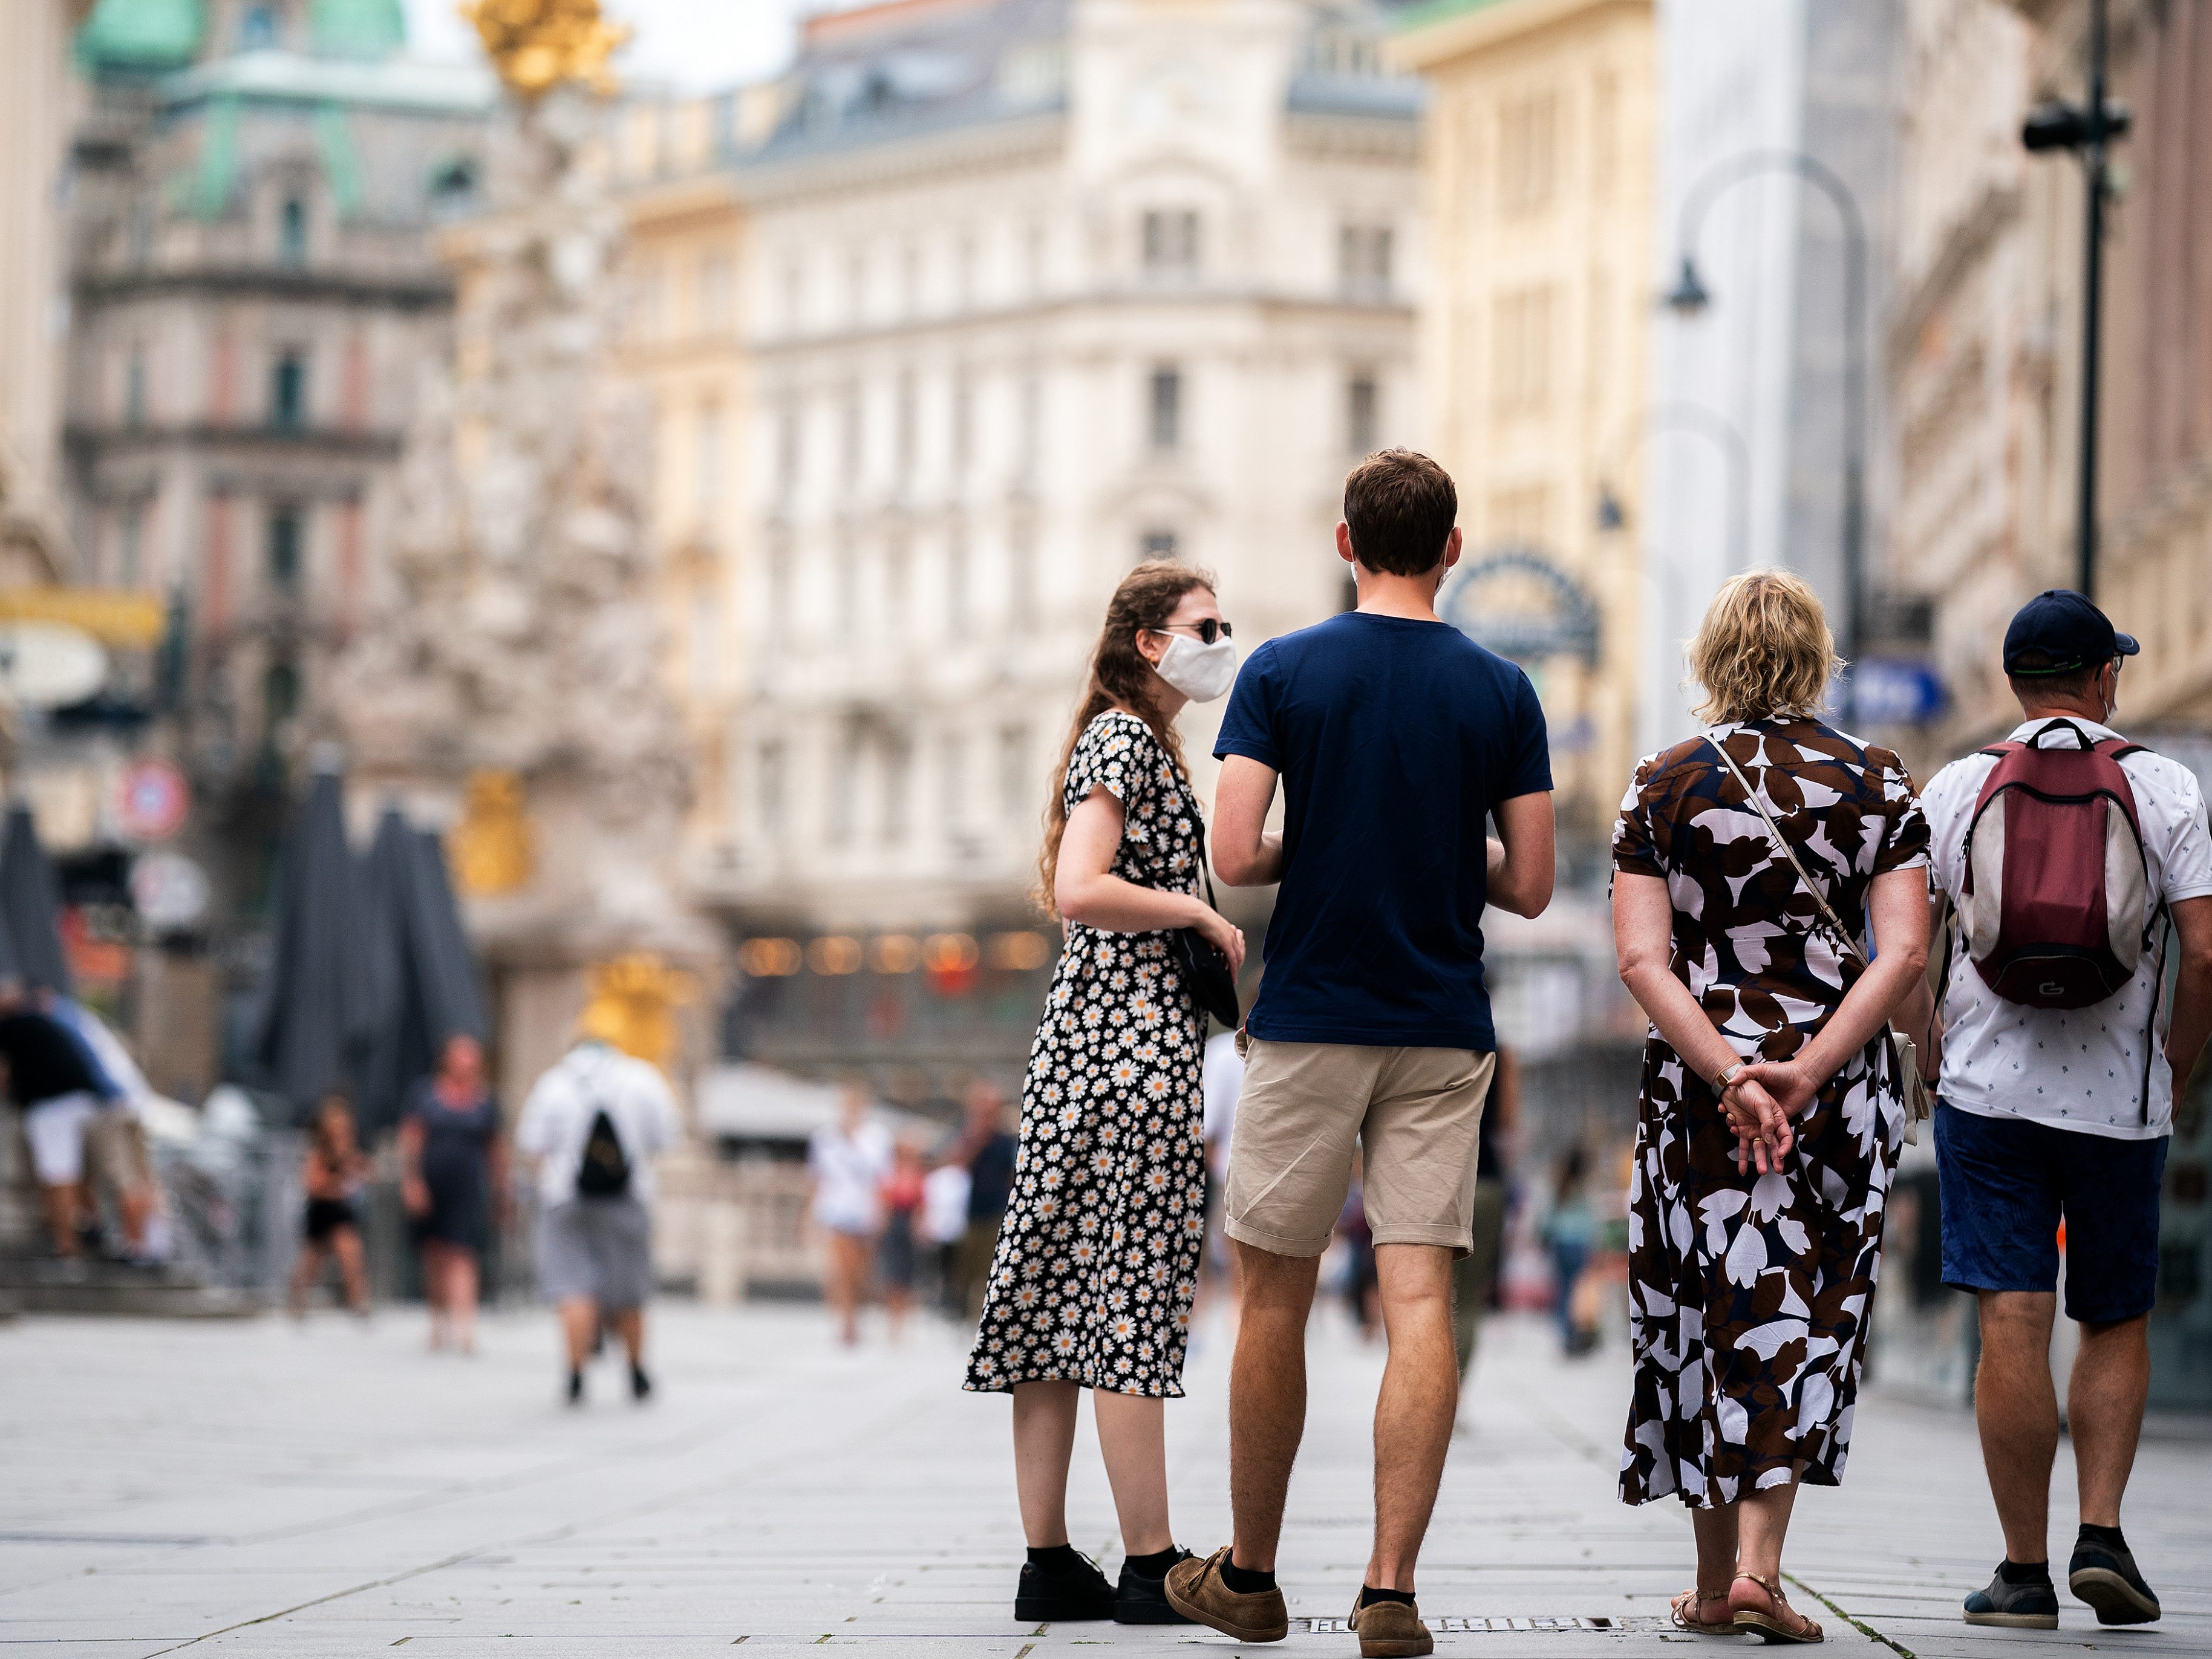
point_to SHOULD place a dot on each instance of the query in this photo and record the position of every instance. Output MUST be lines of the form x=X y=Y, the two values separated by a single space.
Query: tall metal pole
x=2093 y=283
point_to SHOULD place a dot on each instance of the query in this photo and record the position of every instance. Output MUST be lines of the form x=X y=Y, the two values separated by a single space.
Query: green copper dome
x=141 y=34
x=358 y=28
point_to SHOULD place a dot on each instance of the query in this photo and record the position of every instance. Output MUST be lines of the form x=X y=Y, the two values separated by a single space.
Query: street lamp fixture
x=1611 y=515
x=1689 y=295
x=2085 y=129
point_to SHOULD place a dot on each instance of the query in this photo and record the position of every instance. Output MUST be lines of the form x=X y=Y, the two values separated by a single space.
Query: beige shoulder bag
x=1904 y=1053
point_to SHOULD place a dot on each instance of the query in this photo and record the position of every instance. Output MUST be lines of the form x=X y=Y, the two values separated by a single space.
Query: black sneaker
x=1142 y=1601
x=1047 y=1593
x=575 y=1388
x=2104 y=1576
x=2032 y=1606
x=640 y=1385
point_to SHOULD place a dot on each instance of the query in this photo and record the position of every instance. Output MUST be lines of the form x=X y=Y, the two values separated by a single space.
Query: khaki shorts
x=1414 y=1112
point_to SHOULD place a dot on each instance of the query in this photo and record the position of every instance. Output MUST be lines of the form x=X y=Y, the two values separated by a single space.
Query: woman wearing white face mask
x=1098 y=1259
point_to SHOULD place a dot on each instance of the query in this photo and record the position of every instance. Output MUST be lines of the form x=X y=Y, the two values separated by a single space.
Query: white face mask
x=1201 y=672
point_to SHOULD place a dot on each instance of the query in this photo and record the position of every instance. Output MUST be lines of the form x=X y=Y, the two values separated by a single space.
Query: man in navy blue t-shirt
x=1396 y=740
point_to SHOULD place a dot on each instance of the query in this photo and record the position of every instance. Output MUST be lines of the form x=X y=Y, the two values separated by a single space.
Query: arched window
x=292 y=232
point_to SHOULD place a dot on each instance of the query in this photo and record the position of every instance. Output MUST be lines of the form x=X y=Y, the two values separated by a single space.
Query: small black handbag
x=1204 y=969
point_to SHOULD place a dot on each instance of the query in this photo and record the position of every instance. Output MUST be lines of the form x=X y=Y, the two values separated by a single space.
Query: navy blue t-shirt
x=1394 y=740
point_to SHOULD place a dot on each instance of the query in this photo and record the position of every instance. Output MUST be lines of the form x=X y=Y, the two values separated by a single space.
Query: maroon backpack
x=2051 y=915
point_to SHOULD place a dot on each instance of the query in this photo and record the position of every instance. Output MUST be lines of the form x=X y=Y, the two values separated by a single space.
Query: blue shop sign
x=1889 y=691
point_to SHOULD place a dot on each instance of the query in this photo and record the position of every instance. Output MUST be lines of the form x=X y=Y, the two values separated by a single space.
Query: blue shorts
x=2007 y=1180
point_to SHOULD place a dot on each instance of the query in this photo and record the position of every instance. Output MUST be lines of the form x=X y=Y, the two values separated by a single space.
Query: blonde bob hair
x=1764 y=649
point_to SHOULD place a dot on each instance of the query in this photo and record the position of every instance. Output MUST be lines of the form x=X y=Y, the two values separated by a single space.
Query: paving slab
x=266 y=1489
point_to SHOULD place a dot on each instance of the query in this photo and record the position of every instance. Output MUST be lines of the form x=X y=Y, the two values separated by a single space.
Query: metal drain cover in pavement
x=1336 y=1627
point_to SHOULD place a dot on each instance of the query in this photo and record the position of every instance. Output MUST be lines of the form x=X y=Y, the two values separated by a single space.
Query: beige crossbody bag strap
x=1904 y=1054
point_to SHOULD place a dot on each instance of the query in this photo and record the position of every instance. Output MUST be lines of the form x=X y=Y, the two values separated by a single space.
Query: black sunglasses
x=1211 y=629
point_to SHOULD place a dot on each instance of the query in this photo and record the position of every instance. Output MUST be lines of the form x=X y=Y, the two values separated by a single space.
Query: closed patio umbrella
x=30 y=907
x=318 y=1005
x=425 y=978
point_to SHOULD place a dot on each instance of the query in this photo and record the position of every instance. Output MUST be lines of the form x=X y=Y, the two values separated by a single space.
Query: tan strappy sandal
x=1765 y=1625
x=1692 y=1598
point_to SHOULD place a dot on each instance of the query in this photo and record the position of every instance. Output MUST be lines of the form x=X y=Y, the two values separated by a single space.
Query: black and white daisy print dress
x=1098 y=1259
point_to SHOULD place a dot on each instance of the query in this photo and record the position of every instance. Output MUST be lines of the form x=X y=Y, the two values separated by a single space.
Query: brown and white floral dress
x=1750 y=1296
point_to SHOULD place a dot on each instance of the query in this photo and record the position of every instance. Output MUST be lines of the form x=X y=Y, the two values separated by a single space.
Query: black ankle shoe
x=1142 y=1601
x=2105 y=1577
x=640 y=1385
x=1049 y=1594
x=575 y=1388
x=2017 y=1606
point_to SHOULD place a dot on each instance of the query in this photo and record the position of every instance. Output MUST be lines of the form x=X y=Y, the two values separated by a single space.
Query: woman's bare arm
x=1084 y=888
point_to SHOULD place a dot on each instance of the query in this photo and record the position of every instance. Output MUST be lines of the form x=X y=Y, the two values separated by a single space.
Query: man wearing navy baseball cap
x=2056 y=1090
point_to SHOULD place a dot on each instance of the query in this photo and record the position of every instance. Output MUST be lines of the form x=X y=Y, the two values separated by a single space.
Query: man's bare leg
x=2105 y=1400
x=1419 y=1399
x=2017 y=1411
x=1267 y=1396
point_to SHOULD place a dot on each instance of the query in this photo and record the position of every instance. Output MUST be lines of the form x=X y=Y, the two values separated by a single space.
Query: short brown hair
x=1400 y=506
x=2036 y=683
x=1764 y=648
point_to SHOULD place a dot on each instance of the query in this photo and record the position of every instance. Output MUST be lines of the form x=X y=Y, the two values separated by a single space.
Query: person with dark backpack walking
x=593 y=1122
x=2074 y=864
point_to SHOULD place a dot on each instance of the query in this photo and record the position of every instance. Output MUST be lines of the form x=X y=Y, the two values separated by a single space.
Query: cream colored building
x=37 y=105
x=1026 y=292
x=1984 y=356
x=1538 y=193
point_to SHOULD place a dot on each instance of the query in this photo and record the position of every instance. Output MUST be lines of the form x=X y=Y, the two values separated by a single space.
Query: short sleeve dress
x=1097 y=1257
x=456 y=1166
x=1750 y=1296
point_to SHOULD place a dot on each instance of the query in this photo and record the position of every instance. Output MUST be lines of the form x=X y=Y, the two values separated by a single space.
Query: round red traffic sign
x=151 y=801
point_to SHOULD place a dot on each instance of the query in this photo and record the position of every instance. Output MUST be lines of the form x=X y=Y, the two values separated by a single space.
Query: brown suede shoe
x=1390 y=1630
x=1195 y=1590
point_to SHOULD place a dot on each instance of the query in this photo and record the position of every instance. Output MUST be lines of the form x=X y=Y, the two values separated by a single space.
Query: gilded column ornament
x=634 y=999
x=494 y=849
x=538 y=44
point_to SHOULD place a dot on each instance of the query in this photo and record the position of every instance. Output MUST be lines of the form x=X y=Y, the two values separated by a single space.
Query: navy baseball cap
x=2065 y=633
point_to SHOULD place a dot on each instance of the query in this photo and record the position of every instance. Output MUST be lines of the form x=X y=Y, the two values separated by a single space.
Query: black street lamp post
x=1689 y=295
x=2085 y=129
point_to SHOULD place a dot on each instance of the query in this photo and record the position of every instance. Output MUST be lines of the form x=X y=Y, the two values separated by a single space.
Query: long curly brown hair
x=1119 y=678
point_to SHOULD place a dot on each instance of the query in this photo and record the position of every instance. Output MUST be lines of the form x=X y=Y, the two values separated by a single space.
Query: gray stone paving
x=262 y=1489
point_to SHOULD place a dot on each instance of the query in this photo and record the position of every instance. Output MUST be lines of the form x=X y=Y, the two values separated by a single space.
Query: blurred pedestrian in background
x=897 y=1253
x=986 y=1152
x=943 y=1227
x=1097 y=1261
x=848 y=1161
x=1362 y=1286
x=1748 y=862
x=454 y=1182
x=331 y=1175
x=60 y=1088
x=1474 y=1277
x=116 y=1154
x=594 y=1123
x=1570 y=1230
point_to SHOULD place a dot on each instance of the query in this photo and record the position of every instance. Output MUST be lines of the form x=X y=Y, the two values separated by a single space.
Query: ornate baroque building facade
x=1026 y=291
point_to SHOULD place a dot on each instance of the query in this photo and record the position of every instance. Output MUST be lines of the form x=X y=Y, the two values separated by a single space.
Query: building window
x=848 y=593
x=1031 y=431
x=963 y=421
x=1165 y=410
x=292 y=232
x=845 y=786
x=856 y=285
x=904 y=423
x=1033 y=254
x=1022 y=574
x=714 y=282
x=1363 y=260
x=1170 y=242
x=779 y=588
x=284 y=549
x=1527 y=153
x=955 y=581
x=965 y=260
x=280 y=696
x=898 y=584
x=1158 y=544
x=854 y=433
x=795 y=296
x=1360 y=422
x=126 y=543
x=1520 y=353
x=707 y=458
x=134 y=387
x=898 y=783
x=953 y=784
x=288 y=392
x=789 y=433
x=769 y=786
x=910 y=280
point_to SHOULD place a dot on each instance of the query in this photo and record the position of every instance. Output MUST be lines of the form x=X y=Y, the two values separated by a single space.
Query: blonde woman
x=1771 y=1111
